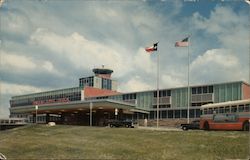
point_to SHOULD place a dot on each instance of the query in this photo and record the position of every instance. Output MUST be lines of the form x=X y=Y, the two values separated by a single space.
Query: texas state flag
x=152 y=48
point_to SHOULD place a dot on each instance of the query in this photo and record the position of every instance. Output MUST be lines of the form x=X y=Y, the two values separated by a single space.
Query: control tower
x=101 y=79
x=103 y=72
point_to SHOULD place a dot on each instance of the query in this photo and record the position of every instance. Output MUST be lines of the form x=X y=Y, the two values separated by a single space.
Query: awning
x=79 y=105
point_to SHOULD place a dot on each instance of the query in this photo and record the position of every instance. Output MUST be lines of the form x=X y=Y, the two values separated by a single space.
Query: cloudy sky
x=49 y=44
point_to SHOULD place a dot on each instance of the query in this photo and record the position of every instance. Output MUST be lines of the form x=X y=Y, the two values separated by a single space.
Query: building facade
x=100 y=90
x=173 y=102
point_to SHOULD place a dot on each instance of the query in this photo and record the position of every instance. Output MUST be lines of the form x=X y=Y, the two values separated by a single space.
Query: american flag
x=183 y=43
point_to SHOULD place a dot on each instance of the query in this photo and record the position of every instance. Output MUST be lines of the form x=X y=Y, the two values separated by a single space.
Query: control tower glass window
x=87 y=81
x=106 y=84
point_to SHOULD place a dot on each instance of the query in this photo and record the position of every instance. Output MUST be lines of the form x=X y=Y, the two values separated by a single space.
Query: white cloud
x=16 y=22
x=231 y=30
x=9 y=89
x=16 y=61
x=144 y=61
x=221 y=20
x=18 y=89
x=21 y=63
x=217 y=65
x=81 y=51
x=177 y=6
x=49 y=67
x=86 y=53
x=229 y=27
x=134 y=84
x=221 y=57
x=169 y=81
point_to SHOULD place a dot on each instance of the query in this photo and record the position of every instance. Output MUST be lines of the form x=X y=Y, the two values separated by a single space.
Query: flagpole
x=249 y=42
x=152 y=49
x=157 y=100
x=188 y=94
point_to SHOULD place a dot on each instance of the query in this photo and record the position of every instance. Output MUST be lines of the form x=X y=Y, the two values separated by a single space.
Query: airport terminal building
x=96 y=100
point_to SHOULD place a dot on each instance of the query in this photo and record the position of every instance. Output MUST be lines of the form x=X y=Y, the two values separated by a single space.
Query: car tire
x=184 y=128
x=111 y=125
x=206 y=126
x=245 y=126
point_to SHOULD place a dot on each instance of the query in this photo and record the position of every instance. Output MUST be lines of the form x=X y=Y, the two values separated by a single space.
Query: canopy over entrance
x=84 y=112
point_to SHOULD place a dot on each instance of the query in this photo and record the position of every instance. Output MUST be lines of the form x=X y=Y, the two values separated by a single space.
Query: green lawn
x=78 y=142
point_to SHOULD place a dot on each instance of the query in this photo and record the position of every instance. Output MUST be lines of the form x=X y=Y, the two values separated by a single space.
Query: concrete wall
x=246 y=91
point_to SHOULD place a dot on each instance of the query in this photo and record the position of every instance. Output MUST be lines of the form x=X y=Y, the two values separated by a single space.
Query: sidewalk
x=160 y=128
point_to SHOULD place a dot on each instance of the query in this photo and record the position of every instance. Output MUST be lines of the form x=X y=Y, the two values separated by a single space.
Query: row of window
x=163 y=93
x=88 y=81
x=48 y=93
x=195 y=90
x=105 y=97
x=18 y=115
x=106 y=84
x=12 y=121
x=75 y=96
x=199 y=104
x=227 y=109
x=168 y=105
x=193 y=113
x=129 y=96
x=69 y=95
x=162 y=106
x=42 y=119
x=202 y=90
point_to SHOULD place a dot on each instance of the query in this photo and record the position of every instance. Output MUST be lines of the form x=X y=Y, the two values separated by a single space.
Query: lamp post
x=36 y=112
x=90 y=113
x=116 y=113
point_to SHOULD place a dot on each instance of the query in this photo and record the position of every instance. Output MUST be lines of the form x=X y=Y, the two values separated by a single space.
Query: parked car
x=121 y=123
x=193 y=125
